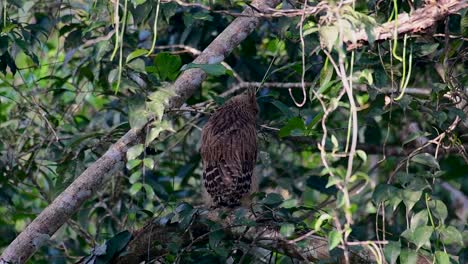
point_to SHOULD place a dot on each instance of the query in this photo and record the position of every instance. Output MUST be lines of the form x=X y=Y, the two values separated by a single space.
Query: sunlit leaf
x=442 y=257
x=135 y=54
x=134 y=151
x=136 y=176
x=135 y=188
x=328 y=36
x=334 y=239
x=149 y=163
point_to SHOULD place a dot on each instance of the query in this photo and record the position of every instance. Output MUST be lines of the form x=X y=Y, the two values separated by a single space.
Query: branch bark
x=415 y=22
x=39 y=231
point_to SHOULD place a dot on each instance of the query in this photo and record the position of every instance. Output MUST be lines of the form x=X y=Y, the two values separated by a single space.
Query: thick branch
x=415 y=22
x=66 y=204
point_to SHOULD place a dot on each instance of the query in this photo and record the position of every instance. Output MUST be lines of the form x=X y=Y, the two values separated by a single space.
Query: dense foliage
x=72 y=83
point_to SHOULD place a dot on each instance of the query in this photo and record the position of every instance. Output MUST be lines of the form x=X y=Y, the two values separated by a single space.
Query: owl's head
x=246 y=100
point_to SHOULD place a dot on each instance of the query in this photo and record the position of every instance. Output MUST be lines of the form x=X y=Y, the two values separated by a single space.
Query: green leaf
x=361 y=154
x=275 y=45
x=335 y=143
x=317 y=118
x=138 y=2
x=408 y=256
x=167 y=65
x=149 y=163
x=203 y=16
x=422 y=50
x=215 y=238
x=419 y=219
x=365 y=77
x=387 y=193
x=322 y=218
x=135 y=54
x=135 y=188
x=149 y=191
x=309 y=28
x=327 y=87
x=283 y=108
x=137 y=65
x=438 y=209
x=133 y=163
x=135 y=177
x=410 y=198
x=135 y=151
x=334 y=239
x=287 y=230
x=183 y=208
x=112 y=247
x=442 y=257
x=426 y=159
x=392 y=251
x=273 y=199
x=168 y=10
x=325 y=76
x=119 y=241
x=158 y=101
x=384 y=192
x=415 y=136
x=216 y=69
x=157 y=128
x=328 y=36
x=289 y=203
x=440 y=117
x=451 y=235
x=137 y=116
x=421 y=235
x=293 y=124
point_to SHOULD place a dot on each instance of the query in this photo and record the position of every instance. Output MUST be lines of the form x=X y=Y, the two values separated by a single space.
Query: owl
x=229 y=151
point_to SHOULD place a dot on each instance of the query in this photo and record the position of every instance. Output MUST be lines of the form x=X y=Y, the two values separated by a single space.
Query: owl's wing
x=229 y=162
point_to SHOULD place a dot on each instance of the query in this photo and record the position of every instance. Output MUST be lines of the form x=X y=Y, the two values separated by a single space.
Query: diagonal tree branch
x=38 y=232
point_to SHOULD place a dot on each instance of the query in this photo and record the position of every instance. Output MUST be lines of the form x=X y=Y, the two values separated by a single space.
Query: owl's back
x=229 y=151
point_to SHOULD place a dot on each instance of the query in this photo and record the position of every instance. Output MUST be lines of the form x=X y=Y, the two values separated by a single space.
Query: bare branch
x=415 y=22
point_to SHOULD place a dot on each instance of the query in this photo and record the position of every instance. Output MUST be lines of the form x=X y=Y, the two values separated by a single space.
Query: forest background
x=362 y=130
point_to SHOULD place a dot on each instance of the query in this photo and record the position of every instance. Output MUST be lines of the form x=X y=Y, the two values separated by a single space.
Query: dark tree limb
x=415 y=22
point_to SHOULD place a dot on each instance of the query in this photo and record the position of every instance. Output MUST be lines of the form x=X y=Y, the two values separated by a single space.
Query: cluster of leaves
x=61 y=107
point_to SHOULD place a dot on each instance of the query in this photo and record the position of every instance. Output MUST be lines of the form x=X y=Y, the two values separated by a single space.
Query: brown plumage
x=229 y=150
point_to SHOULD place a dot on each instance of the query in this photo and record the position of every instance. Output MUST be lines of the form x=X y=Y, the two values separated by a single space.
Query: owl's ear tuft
x=251 y=92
